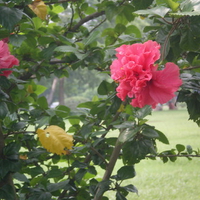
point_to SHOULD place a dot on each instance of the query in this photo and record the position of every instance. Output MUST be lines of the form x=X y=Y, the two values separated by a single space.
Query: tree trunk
x=61 y=91
x=53 y=88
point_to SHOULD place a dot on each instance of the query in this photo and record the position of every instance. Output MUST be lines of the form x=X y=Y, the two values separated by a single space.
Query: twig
x=176 y=155
x=163 y=51
x=97 y=25
x=93 y=149
x=71 y=20
x=15 y=133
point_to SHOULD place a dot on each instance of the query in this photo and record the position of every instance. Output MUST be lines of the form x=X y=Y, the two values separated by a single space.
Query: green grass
x=178 y=180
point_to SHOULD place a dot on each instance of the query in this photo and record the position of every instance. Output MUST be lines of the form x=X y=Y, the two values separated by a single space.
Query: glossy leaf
x=91 y=38
x=126 y=172
x=128 y=134
x=62 y=111
x=3 y=110
x=162 y=138
x=160 y=11
x=9 y=17
x=105 y=87
x=172 y=4
x=180 y=147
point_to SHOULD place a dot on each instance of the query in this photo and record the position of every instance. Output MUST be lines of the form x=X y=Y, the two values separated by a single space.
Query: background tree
x=58 y=39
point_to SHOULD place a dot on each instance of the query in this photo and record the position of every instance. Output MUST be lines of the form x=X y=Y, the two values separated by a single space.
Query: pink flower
x=136 y=72
x=6 y=60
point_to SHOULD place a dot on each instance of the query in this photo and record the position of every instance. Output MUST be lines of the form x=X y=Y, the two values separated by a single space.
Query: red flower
x=138 y=78
x=6 y=60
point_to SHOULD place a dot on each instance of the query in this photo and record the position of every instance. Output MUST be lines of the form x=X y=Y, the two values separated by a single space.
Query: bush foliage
x=52 y=37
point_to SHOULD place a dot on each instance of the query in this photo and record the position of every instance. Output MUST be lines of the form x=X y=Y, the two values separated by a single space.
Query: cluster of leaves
x=83 y=34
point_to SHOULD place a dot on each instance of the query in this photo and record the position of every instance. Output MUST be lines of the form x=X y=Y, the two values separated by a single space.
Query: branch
x=109 y=168
x=190 y=68
x=64 y=1
x=174 y=155
x=15 y=133
x=84 y=20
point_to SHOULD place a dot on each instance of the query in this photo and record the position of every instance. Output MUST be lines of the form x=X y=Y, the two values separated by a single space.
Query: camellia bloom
x=136 y=72
x=6 y=60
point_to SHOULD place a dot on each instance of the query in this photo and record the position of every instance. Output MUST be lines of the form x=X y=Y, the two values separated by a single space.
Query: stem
x=110 y=167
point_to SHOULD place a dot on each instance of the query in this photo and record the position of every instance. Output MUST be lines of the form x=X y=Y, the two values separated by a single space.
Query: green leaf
x=162 y=138
x=180 y=147
x=188 y=41
x=3 y=95
x=126 y=172
x=120 y=196
x=172 y=4
x=48 y=52
x=128 y=134
x=119 y=28
x=58 y=186
x=34 y=171
x=141 y=4
x=143 y=112
x=80 y=174
x=20 y=177
x=111 y=11
x=7 y=166
x=55 y=172
x=9 y=17
x=105 y=87
x=4 y=82
x=182 y=14
x=42 y=102
x=40 y=195
x=62 y=111
x=91 y=38
x=3 y=110
x=138 y=149
x=132 y=29
x=78 y=164
x=188 y=5
x=126 y=124
x=11 y=149
x=16 y=40
x=131 y=188
x=149 y=132
x=43 y=120
x=74 y=120
x=189 y=149
x=40 y=89
x=103 y=186
x=160 y=11
x=65 y=49
x=18 y=126
x=6 y=192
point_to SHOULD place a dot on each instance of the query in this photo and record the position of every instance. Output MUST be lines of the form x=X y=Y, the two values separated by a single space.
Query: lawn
x=178 y=180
